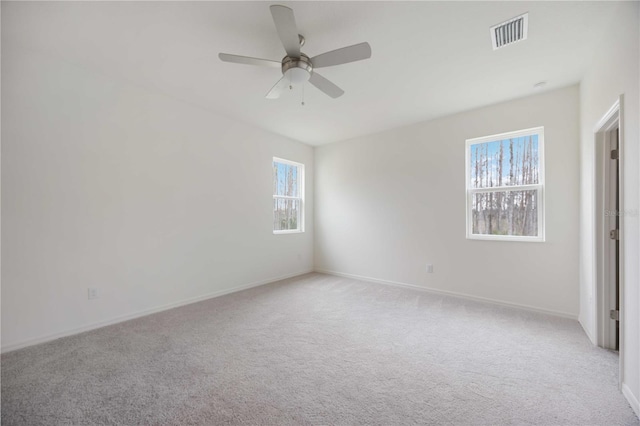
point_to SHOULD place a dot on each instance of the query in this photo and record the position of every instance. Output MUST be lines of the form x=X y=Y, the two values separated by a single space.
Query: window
x=505 y=186
x=288 y=196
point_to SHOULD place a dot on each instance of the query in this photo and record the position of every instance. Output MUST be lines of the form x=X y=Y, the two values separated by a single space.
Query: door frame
x=603 y=244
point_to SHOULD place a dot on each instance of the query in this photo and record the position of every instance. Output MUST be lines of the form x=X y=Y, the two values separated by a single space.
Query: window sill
x=289 y=231
x=511 y=238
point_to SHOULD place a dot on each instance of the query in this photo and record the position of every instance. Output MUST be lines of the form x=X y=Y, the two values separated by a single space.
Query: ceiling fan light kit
x=297 y=68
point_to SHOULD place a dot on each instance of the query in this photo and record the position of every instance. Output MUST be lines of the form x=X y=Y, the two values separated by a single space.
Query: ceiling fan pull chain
x=302 y=94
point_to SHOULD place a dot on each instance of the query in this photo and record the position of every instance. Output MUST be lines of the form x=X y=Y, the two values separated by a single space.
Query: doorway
x=609 y=225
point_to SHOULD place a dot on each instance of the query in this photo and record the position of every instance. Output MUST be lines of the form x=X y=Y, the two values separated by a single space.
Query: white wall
x=149 y=199
x=614 y=71
x=390 y=203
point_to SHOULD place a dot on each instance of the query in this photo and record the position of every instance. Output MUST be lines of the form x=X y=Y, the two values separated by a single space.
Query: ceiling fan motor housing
x=297 y=70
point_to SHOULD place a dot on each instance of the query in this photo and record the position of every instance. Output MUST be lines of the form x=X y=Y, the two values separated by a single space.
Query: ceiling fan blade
x=325 y=85
x=279 y=87
x=287 y=29
x=237 y=59
x=357 y=52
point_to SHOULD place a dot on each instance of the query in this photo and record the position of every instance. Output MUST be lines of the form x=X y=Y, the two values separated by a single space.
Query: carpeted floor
x=319 y=349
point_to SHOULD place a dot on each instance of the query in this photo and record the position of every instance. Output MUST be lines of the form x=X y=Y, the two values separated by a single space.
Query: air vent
x=509 y=32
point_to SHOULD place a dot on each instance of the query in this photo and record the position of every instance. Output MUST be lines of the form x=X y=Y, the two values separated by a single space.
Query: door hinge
x=614 y=314
x=615 y=154
x=614 y=234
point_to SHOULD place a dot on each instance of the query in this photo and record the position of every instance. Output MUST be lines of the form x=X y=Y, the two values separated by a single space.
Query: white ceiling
x=429 y=59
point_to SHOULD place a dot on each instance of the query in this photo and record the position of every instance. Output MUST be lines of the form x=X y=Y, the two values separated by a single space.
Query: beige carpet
x=320 y=350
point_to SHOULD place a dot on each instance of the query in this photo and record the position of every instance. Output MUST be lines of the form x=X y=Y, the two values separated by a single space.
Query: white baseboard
x=450 y=293
x=633 y=401
x=46 y=338
x=587 y=332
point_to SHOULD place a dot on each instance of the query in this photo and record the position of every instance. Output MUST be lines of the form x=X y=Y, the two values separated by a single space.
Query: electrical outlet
x=93 y=293
x=429 y=268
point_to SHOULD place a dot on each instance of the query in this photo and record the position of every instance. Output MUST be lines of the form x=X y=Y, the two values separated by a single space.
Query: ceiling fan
x=297 y=67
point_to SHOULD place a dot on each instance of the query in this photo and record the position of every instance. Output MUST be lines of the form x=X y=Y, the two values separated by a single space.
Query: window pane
x=285 y=179
x=505 y=213
x=285 y=214
x=507 y=162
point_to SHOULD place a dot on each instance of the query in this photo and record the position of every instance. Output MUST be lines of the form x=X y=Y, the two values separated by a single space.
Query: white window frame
x=300 y=197
x=539 y=186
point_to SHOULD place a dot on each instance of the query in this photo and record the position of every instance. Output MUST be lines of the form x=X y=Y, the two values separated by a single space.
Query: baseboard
x=633 y=401
x=449 y=293
x=587 y=332
x=122 y=318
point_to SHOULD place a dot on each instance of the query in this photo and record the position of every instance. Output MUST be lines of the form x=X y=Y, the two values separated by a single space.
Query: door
x=613 y=214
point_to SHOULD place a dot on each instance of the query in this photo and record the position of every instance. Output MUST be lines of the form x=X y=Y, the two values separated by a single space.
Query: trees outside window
x=288 y=196
x=505 y=186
